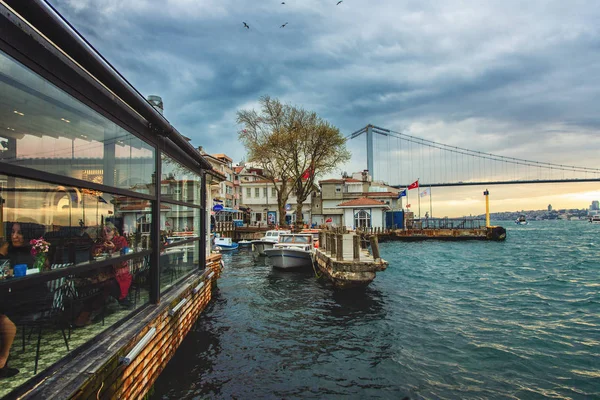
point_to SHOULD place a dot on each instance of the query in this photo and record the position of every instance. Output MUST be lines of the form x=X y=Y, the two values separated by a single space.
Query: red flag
x=414 y=185
x=308 y=173
x=408 y=206
x=329 y=220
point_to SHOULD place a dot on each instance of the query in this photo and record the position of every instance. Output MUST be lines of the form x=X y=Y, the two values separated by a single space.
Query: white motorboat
x=293 y=251
x=521 y=220
x=245 y=243
x=266 y=242
x=595 y=219
x=224 y=244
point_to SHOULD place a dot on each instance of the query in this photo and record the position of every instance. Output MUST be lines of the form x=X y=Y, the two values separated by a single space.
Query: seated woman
x=18 y=251
x=115 y=283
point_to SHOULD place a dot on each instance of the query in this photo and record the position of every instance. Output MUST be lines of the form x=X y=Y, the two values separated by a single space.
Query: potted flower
x=39 y=251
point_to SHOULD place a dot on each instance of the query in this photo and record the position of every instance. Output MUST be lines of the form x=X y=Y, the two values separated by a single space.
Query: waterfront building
x=363 y=213
x=260 y=195
x=333 y=192
x=91 y=167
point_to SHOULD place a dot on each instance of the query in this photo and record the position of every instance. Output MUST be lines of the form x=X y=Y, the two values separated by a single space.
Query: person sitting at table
x=116 y=283
x=18 y=251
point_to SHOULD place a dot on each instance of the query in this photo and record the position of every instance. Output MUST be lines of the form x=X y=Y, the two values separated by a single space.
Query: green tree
x=292 y=146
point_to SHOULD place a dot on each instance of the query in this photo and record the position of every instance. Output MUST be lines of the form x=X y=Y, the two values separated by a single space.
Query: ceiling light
x=10 y=129
x=66 y=120
x=18 y=113
x=83 y=136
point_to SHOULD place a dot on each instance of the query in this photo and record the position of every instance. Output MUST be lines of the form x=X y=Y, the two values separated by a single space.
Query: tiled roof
x=343 y=180
x=363 y=201
x=381 y=194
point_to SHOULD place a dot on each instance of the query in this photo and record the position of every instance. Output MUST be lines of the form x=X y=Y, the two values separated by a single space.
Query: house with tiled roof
x=363 y=213
x=326 y=207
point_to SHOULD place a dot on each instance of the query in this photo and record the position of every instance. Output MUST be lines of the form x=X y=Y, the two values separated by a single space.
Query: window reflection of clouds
x=53 y=132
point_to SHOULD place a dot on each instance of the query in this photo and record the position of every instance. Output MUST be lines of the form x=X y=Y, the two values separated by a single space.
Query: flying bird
x=283 y=26
x=338 y=3
x=246 y=25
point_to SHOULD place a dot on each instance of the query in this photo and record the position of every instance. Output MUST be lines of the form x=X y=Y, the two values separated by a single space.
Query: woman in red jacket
x=116 y=283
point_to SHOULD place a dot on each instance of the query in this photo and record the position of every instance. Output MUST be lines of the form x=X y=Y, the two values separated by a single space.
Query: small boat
x=521 y=220
x=244 y=243
x=595 y=219
x=225 y=244
x=293 y=251
x=266 y=242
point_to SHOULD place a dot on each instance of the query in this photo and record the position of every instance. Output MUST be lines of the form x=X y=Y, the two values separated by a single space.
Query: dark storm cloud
x=485 y=75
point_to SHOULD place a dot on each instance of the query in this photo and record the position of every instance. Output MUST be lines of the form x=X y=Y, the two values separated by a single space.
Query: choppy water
x=470 y=320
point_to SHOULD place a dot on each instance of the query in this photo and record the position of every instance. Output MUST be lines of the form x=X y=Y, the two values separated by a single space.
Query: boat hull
x=222 y=247
x=289 y=258
x=259 y=246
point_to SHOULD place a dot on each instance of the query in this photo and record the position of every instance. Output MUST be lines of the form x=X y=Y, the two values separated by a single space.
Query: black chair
x=44 y=310
x=140 y=272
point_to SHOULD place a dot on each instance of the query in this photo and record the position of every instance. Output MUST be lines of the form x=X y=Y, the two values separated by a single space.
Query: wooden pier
x=345 y=262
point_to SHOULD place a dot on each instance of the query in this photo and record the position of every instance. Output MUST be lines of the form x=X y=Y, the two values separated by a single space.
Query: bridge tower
x=370 y=151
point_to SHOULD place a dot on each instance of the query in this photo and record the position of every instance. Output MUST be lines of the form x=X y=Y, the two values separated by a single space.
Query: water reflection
x=198 y=355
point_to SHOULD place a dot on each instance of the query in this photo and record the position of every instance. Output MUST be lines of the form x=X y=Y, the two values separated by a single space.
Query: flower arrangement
x=39 y=246
x=39 y=250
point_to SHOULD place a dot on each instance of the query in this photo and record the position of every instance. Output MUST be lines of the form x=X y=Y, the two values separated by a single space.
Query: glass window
x=71 y=219
x=180 y=230
x=46 y=129
x=273 y=193
x=248 y=192
x=178 y=182
x=265 y=192
x=362 y=219
x=257 y=192
x=51 y=228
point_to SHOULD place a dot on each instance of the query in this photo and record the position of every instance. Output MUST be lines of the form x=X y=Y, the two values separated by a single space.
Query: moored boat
x=225 y=244
x=266 y=242
x=293 y=251
x=595 y=219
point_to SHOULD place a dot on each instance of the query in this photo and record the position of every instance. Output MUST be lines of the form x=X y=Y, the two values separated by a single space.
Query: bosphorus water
x=469 y=320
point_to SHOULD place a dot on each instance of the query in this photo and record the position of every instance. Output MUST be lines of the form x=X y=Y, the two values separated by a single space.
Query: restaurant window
x=68 y=267
x=179 y=224
x=177 y=180
x=46 y=129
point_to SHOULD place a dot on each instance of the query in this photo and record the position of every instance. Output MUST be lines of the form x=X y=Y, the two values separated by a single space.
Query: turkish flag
x=414 y=185
x=329 y=220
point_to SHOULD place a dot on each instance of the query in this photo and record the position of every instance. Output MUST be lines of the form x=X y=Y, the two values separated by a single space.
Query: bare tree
x=293 y=146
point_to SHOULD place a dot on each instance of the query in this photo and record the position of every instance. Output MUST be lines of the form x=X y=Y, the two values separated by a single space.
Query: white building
x=363 y=212
x=260 y=196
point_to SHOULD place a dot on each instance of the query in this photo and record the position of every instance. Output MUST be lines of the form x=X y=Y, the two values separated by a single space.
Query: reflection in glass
x=178 y=183
x=70 y=219
x=46 y=129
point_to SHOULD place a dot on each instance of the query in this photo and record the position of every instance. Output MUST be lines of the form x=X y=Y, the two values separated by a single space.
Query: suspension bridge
x=400 y=159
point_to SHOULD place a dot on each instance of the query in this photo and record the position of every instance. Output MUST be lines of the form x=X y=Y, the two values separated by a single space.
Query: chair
x=44 y=309
x=140 y=274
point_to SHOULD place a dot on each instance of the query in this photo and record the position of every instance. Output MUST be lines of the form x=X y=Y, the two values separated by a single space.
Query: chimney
x=156 y=102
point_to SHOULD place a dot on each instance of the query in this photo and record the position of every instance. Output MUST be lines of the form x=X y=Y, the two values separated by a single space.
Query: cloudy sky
x=507 y=77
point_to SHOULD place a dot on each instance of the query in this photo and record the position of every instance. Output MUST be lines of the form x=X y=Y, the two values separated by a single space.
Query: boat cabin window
x=303 y=239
